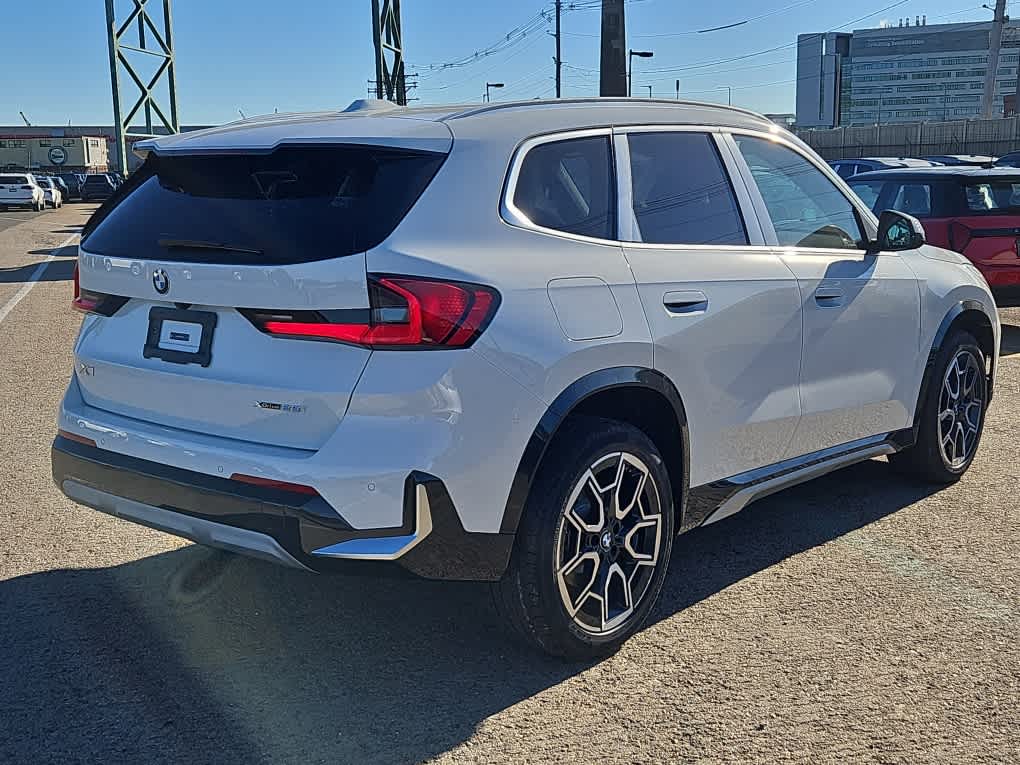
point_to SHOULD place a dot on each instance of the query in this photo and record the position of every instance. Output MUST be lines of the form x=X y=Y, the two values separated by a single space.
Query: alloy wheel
x=608 y=543
x=961 y=406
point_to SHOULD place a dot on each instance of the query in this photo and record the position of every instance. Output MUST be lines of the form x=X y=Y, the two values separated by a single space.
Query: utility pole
x=559 y=63
x=994 y=46
x=613 y=61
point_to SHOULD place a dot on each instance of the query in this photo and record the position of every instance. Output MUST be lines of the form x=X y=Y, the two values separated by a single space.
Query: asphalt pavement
x=858 y=618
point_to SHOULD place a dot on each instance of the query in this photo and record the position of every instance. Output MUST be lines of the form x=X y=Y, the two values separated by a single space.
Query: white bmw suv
x=524 y=343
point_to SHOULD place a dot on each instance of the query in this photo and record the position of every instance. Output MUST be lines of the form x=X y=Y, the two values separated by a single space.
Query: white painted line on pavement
x=36 y=275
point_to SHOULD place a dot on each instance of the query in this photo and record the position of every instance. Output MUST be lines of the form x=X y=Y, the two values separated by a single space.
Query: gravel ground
x=859 y=618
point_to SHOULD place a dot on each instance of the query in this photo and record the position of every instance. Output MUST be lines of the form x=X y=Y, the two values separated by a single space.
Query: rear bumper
x=286 y=527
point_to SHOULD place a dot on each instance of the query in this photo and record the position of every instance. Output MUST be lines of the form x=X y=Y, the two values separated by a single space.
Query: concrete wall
x=984 y=137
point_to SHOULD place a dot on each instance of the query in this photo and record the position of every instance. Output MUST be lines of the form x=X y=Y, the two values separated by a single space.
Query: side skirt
x=720 y=499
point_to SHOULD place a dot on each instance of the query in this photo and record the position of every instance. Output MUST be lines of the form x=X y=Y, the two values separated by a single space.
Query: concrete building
x=912 y=73
x=87 y=154
x=29 y=146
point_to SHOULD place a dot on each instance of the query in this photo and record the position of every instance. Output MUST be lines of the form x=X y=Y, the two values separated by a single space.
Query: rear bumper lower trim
x=283 y=526
x=210 y=533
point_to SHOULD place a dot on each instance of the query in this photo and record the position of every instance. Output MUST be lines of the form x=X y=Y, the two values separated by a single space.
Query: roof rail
x=602 y=100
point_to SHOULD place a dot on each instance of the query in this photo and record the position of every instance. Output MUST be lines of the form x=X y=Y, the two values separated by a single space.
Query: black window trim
x=865 y=217
x=514 y=216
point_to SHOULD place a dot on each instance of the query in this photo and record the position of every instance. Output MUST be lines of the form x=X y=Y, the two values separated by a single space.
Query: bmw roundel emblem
x=161 y=281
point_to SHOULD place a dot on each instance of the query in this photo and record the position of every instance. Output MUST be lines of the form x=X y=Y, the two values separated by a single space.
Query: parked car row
x=36 y=192
x=848 y=168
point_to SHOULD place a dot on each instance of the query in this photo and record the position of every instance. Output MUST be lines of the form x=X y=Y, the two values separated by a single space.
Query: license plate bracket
x=171 y=336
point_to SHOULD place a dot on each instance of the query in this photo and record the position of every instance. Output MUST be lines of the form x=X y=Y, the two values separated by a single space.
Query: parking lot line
x=27 y=286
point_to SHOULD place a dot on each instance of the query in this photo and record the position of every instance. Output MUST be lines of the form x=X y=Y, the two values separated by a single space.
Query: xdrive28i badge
x=161 y=281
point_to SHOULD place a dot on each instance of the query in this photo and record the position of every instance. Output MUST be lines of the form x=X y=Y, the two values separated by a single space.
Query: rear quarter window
x=292 y=205
x=568 y=186
x=992 y=196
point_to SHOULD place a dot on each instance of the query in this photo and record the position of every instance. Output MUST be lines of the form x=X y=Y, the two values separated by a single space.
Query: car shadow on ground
x=56 y=271
x=70 y=251
x=194 y=655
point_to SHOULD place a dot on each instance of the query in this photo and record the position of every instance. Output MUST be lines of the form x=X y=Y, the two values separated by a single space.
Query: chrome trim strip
x=756 y=483
x=386 y=548
x=204 y=532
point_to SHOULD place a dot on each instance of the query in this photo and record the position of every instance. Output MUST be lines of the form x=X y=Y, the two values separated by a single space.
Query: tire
x=534 y=592
x=961 y=365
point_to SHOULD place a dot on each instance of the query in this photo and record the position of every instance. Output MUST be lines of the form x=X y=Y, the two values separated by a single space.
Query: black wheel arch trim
x=957 y=310
x=565 y=404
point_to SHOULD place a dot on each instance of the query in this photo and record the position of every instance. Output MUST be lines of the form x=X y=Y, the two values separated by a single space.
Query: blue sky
x=261 y=55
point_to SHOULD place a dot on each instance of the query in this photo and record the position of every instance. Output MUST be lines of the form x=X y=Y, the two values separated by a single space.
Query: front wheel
x=952 y=416
x=593 y=545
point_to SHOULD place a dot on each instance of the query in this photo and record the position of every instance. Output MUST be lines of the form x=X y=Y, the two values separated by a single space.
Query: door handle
x=685 y=302
x=828 y=297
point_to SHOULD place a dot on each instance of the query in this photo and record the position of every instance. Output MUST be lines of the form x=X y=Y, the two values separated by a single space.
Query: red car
x=972 y=210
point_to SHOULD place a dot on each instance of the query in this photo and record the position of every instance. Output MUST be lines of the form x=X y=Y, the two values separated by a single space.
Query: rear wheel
x=952 y=416
x=594 y=543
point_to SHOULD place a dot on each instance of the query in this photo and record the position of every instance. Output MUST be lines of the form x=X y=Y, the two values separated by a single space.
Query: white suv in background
x=525 y=343
x=51 y=192
x=21 y=190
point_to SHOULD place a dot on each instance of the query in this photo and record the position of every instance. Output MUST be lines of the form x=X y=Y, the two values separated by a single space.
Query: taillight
x=88 y=301
x=405 y=312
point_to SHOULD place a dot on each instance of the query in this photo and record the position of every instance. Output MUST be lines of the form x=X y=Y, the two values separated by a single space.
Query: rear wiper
x=189 y=244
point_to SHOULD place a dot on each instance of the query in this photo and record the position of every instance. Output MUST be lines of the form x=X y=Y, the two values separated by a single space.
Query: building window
x=931 y=75
x=45 y=142
x=68 y=142
x=915 y=64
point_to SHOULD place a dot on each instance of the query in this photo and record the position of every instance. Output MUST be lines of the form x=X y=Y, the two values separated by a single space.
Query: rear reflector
x=76 y=438
x=405 y=313
x=268 y=483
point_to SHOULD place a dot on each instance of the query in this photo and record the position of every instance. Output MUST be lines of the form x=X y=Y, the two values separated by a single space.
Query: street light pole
x=649 y=90
x=630 y=66
x=729 y=94
x=489 y=85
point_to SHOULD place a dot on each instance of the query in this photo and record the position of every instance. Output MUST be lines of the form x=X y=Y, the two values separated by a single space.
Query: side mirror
x=897 y=231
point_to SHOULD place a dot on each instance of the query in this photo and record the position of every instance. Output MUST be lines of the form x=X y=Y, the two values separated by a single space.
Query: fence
x=917 y=139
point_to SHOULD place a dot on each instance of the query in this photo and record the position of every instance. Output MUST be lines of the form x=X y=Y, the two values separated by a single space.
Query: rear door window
x=681 y=192
x=806 y=208
x=568 y=186
x=292 y=205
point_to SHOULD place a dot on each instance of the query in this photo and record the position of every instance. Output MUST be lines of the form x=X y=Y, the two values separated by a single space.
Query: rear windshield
x=13 y=179
x=993 y=195
x=101 y=180
x=293 y=205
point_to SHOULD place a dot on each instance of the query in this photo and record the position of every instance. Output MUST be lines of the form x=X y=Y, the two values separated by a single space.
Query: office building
x=911 y=73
